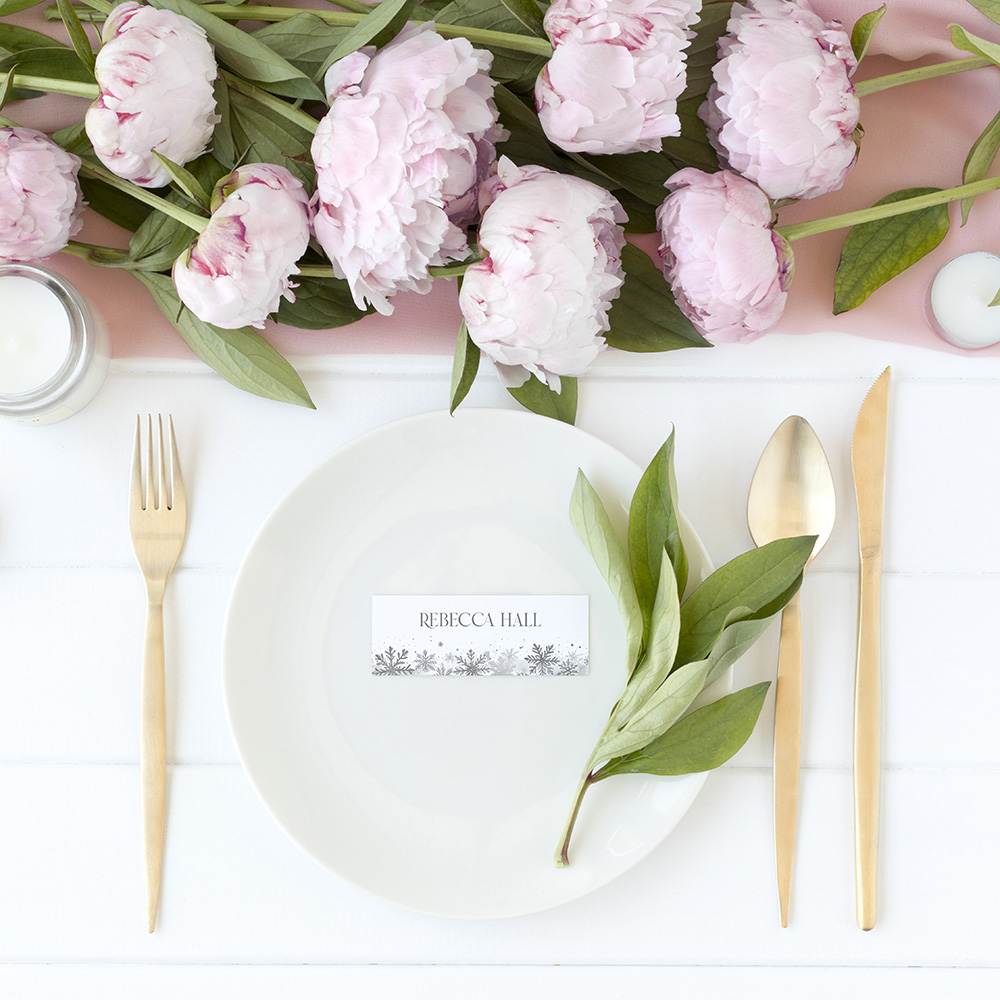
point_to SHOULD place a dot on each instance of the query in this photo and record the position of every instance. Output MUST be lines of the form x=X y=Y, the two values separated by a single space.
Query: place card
x=498 y=635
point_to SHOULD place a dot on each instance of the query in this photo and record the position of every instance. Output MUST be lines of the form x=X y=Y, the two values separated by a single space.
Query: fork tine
x=135 y=485
x=150 y=468
x=176 y=479
x=163 y=498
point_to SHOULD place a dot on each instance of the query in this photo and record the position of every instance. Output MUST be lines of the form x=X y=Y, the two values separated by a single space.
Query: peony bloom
x=399 y=158
x=616 y=71
x=727 y=267
x=156 y=71
x=782 y=110
x=238 y=269
x=538 y=303
x=40 y=200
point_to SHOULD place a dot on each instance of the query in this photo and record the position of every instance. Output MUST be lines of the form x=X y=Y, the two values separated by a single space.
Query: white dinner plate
x=446 y=795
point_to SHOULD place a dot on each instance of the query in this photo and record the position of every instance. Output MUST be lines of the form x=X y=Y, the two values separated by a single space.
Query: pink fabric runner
x=915 y=136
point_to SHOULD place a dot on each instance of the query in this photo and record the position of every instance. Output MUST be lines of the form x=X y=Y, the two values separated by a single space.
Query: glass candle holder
x=54 y=347
x=960 y=300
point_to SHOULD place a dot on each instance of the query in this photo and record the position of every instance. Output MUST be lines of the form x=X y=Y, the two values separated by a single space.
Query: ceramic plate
x=446 y=795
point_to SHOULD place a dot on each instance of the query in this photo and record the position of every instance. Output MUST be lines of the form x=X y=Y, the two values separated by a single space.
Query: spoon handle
x=787 y=743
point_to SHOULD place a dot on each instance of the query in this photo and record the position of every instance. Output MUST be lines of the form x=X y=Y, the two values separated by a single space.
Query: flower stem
x=95 y=254
x=161 y=204
x=480 y=36
x=73 y=88
x=267 y=100
x=878 y=83
x=798 y=230
x=562 y=851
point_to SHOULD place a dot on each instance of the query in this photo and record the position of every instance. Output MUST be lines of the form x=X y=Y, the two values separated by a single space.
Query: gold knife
x=868 y=454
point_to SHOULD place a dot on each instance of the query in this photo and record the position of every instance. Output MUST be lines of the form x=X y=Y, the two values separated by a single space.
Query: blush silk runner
x=915 y=136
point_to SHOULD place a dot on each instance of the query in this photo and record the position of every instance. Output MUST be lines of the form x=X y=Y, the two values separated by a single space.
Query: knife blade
x=868 y=462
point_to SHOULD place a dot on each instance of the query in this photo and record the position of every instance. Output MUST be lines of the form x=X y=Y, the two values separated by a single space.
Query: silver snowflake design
x=473 y=664
x=392 y=663
x=542 y=660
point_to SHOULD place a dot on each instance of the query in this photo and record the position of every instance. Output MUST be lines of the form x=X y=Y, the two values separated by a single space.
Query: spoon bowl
x=791 y=494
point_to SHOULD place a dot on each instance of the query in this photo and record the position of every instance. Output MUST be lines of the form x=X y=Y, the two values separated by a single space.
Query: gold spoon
x=791 y=494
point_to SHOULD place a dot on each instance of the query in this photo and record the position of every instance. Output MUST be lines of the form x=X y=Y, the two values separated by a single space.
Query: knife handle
x=868 y=738
x=787 y=743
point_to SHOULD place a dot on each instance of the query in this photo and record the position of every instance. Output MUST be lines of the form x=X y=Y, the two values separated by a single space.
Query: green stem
x=262 y=97
x=873 y=86
x=798 y=230
x=71 y=87
x=480 y=36
x=94 y=254
x=182 y=215
x=451 y=270
x=325 y=271
x=562 y=851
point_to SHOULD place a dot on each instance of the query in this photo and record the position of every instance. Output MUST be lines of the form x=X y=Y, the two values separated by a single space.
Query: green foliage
x=536 y=396
x=464 y=368
x=864 y=30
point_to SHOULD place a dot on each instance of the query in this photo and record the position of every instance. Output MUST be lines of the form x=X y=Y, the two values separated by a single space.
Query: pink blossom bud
x=783 y=110
x=538 y=303
x=239 y=268
x=156 y=71
x=616 y=71
x=399 y=157
x=40 y=200
x=727 y=267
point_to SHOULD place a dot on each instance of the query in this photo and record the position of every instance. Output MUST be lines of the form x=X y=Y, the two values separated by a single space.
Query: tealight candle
x=960 y=300
x=54 y=353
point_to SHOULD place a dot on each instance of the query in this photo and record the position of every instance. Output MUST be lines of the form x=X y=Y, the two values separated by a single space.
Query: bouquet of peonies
x=306 y=165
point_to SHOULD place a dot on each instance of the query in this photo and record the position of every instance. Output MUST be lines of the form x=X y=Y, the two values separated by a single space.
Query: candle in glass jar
x=960 y=300
x=35 y=334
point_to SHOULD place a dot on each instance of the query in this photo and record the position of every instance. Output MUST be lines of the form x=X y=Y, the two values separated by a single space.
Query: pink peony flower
x=40 y=200
x=156 y=70
x=238 y=269
x=616 y=71
x=782 y=110
x=727 y=267
x=399 y=158
x=538 y=303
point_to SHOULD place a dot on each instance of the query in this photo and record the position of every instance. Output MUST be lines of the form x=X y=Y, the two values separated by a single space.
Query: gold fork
x=157 y=520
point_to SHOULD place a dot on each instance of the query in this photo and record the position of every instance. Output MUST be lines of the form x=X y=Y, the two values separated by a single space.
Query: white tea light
x=54 y=349
x=960 y=300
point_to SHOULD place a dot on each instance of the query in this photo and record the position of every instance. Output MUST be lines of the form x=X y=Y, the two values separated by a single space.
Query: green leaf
x=527 y=12
x=56 y=63
x=385 y=21
x=518 y=69
x=864 y=29
x=184 y=179
x=77 y=36
x=701 y=741
x=13 y=6
x=223 y=146
x=246 y=55
x=320 y=304
x=653 y=527
x=645 y=316
x=465 y=367
x=980 y=159
x=540 y=398
x=643 y=174
x=753 y=582
x=14 y=38
x=968 y=42
x=991 y=8
x=5 y=88
x=127 y=213
x=261 y=135
x=875 y=252
x=996 y=299
x=305 y=41
x=591 y=522
x=158 y=242
x=241 y=356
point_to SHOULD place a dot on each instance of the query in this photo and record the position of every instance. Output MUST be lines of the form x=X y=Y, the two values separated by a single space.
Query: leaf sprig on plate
x=676 y=646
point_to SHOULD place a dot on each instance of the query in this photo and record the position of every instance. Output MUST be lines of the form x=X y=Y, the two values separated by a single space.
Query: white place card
x=480 y=636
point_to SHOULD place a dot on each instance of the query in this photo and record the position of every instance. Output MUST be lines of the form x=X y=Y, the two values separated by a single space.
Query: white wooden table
x=245 y=914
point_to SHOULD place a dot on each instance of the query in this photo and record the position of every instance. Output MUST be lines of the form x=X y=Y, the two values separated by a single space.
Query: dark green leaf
x=591 y=522
x=320 y=304
x=108 y=202
x=14 y=38
x=527 y=142
x=864 y=29
x=641 y=215
x=77 y=36
x=641 y=173
x=539 y=398
x=158 y=242
x=464 y=368
x=653 y=527
x=223 y=147
x=385 y=21
x=245 y=54
x=645 y=317
x=752 y=581
x=261 y=135
x=527 y=12
x=701 y=741
x=980 y=159
x=13 y=6
x=875 y=252
x=692 y=147
x=305 y=41
x=242 y=356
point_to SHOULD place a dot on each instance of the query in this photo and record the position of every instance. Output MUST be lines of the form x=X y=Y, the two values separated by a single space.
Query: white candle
x=960 y=300
x=35 y=334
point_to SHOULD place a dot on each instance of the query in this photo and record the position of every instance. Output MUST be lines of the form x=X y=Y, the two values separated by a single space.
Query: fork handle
x=787 y=748
x=153 y=754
